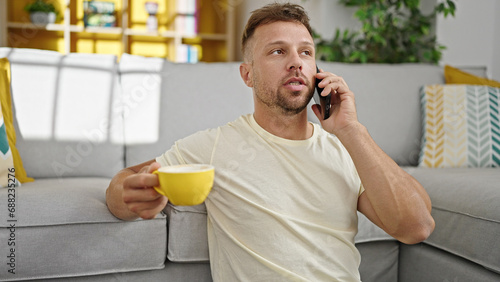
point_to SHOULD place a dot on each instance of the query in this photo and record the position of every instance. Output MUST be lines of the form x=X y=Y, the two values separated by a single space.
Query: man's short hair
x=271 y=13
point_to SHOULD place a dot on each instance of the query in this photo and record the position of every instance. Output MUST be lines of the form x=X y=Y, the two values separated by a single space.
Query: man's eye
x=278 y=52
x=307 y=53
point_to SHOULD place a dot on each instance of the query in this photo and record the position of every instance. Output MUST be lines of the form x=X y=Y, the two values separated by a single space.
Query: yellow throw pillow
x=6 y=102
x=455 y=76
x=7 y=170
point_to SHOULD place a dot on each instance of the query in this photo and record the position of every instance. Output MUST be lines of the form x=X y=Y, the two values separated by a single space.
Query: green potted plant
x=41 y=12
x=393 y=31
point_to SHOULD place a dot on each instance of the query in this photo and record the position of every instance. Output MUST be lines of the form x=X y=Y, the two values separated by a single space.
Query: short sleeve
x=194 y=149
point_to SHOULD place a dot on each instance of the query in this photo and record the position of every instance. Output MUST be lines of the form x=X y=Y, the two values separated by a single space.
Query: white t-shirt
x=280 y=210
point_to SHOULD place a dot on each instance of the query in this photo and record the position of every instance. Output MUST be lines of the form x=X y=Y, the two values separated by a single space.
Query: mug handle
x=158 y=189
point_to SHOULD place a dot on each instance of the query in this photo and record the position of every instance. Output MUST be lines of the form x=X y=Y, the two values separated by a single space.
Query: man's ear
x=246 y=74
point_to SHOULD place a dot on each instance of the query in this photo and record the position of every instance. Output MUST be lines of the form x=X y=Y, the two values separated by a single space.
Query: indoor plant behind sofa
x=136 y=109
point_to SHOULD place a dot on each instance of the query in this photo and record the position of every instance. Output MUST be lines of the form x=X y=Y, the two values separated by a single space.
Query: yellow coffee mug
x=185 y=185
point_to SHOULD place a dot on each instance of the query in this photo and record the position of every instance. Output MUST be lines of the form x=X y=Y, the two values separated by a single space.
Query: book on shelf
x=186 y=19
x=185 y=53
x=99 y=14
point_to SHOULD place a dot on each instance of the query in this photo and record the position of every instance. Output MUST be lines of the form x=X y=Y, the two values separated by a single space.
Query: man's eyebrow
x=281 y=42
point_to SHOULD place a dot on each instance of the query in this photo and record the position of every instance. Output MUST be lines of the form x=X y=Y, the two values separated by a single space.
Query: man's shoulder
x=241 y=125
x=323 y=134
x=211 y=134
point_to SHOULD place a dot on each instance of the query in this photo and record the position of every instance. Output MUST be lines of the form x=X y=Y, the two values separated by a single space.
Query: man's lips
x=295 y=84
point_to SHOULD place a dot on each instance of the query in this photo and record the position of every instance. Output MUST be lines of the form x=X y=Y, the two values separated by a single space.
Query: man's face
x=282 y=67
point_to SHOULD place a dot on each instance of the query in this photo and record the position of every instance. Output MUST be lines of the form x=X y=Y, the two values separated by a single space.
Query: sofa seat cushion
x=466 y=211
x=425 y=263
x=63 y=228
x=187 y=237
x=379 y=261
x=188 y=242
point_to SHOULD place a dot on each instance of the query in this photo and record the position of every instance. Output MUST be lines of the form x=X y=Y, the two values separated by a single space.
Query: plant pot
x=42 y=18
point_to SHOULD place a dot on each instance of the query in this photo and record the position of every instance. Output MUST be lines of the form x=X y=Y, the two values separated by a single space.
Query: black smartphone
x=323 y=101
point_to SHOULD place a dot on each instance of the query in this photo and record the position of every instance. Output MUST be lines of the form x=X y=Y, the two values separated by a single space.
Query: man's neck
x=293 y=127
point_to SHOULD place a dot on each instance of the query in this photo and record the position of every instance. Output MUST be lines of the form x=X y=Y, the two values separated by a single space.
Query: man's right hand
x=131 y=194
x=140 y=196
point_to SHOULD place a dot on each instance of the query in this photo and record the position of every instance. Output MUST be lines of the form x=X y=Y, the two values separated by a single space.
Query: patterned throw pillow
x=461 y=126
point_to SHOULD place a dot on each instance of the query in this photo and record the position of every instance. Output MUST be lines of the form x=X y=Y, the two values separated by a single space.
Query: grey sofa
x=80 y=118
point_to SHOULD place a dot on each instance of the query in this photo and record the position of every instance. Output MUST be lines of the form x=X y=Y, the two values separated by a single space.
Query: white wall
x=495 y=70
x=472 y=37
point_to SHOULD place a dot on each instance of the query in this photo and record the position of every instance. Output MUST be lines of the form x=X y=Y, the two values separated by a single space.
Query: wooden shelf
x=103 y=30
x=131 y=30
x=139 y=32
x=62 y=27
x=51 y=27
x=213 y=36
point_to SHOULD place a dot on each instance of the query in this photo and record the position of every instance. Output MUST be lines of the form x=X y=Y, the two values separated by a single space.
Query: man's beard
x=281 y=99
x=289 y=108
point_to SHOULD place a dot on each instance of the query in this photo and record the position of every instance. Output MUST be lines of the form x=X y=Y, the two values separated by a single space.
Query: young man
x=286 y=209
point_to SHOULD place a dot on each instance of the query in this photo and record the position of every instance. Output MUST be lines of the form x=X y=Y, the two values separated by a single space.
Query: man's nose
x=295 y=67
x=295 y=63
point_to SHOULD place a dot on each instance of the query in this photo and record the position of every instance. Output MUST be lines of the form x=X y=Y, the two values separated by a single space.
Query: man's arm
x=393 y=200
x=131 y=195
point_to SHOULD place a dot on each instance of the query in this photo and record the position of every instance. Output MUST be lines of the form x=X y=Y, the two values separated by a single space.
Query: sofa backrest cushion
x=156 y=115
x=65 y=113
x=165 y=102
x=388 y=102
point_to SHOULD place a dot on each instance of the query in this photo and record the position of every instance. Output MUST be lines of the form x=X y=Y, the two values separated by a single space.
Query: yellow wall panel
x=35 y=38
x=89 y=45
x=165 y=15
x=213 y=15
x=149 y=49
